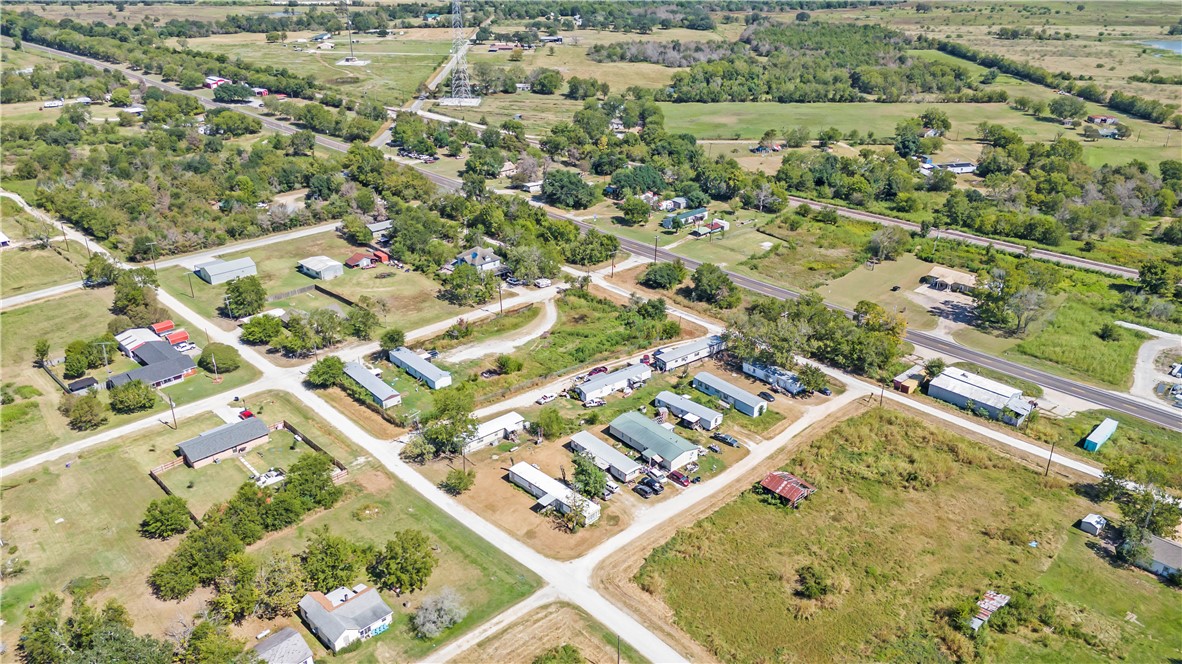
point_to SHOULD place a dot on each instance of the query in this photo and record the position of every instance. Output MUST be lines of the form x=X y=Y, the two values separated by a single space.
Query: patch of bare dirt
x=544 y=628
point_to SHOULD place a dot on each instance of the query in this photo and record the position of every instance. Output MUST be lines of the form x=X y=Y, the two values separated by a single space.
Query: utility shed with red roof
x=787 y=486
x=162 y=327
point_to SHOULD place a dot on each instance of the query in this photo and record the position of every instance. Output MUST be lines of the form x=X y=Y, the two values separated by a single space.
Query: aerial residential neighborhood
x=559 y=332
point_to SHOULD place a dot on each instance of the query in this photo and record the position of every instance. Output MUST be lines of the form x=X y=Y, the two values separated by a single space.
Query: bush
x=165 y=517
x=813 y=582
x=132 y=397
x=458 y=481
x=437 y=613
x=220 y=356
x=508 y=364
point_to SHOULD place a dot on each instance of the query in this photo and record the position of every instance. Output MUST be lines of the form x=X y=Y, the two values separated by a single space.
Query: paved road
x=1120 y=402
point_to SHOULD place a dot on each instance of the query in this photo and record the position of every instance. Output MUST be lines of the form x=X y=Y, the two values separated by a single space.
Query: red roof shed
x=163 y=326
x=177 y=337
x=787 y=486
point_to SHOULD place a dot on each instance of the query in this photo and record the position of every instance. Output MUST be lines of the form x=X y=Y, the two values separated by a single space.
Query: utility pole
x=106 y=364
x=655 y=239
x=191 y=295
x=172 y=407
x=154 y=251
x=614 y=262
x=1049 y=457
x=500 y=299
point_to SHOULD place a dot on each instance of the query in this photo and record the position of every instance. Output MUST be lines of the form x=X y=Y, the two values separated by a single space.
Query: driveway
x=1146 y=375
x=510 y=342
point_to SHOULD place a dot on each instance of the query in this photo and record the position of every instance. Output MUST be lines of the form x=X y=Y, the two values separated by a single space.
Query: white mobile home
x=603 y=385
x=656 y=444
x=691 y=413
x=381 y=393
x=668 y=359
x=740 y=399
x=606 y=457
x=785 y=380
x=550 y=492
x=417 y=367
x=494 y=431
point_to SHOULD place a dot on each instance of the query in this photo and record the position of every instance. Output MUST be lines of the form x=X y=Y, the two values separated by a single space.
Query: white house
x=604 y=384
x=218 y=271
x=1165 y=556
x=667 y=359
x=481 y=258
x=785 y=380
x=494 y=431
x=656 y=444
x=740 y=399
x=321 y=267
x=608 y=458
x=345 y=615
x=690 y=412
x=550 y=492
x=524 y=87
x=972 y=392
x=284 y=647
x=410 y=362
x=381 y=393
x=959 y=167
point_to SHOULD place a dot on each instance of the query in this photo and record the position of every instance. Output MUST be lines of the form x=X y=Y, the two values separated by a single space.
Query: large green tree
x=331 y=561
x=165 y=517
x=245 y=296
x=405 y=563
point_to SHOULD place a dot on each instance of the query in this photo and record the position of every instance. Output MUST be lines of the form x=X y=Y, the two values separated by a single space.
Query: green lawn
x=908 y=522
x=27 y=268
x=1069 y=341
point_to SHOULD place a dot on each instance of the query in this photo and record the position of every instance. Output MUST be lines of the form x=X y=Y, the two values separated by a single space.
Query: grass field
x=547 y=627
x=1070 y=340
x=1133 y=438
x=908 y=524
x=812 y=255
x=27 y=268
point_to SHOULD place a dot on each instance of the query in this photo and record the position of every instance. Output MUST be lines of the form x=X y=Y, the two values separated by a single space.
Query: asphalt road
x=1162 y=416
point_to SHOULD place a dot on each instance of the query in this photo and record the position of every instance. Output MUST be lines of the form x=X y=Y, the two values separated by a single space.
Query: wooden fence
x=155 y=475
x=308 y=289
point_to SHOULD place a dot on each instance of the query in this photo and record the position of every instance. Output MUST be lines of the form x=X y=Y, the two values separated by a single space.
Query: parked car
x=715 y=449
x=542 y=282
x=514 y=281
x=647 y=359
x=432 y=354
x=696 y=479
x=826 y=391
x=245 y=414
x=546 y=398
x=653 y=485
x=894 y=289
x=185 y=346
x=596 y=371
x=643 y=490
x=489 y=373
x=726 y=438
x=679 y=478
x=594 y=403
x=611 y=486
x=767 y=396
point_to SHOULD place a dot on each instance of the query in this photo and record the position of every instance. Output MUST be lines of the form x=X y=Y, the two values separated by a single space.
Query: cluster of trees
x=1147 y=109
x=66 y=80
x=321 y=119
x=620 y=17
x=816 y=62
x=669 y=54
x=329 y=371
x=446 y=428
x=304 y=333
x=775 y=331
x=203 y=556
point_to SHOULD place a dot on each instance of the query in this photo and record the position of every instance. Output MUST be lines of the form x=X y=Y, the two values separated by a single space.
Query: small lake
x=1171 y=45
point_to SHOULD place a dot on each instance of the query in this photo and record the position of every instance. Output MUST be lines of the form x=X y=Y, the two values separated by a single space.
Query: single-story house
x=959 y=167
x=212 y=82
x=494 y=431
x=785 y=380
x=321 y=267
x=947 y=279
x=1103 y=119
x=379 y=227
x=690 y=412
x=550 y=492
x=667 y=359
x=675 y=203
x=1100 y=434
x=684 y=218
x=650 y=198
x=481 y=258
x=1092 y=524
x=739 y=399
x=321 y=37
x=1165 y=556
x=381 y=393
x=163 y=365
x=604 y=384
x=787 y=486
x=224 y=442
x=620 y=465
x=284 y=647
x=134 y=109
x=656 y=444
x=345 y=615
x=716 y=226
x=410 y=362
x=1108 y=132
x=82 y=385
x=963 y=389
x=910 y=380
x=218 y=271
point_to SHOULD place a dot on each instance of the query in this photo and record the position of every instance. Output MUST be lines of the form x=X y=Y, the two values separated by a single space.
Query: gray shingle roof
x=357 y=612
x=162 y=360
x=223 y=438
x=284 y=647
x=379 y=389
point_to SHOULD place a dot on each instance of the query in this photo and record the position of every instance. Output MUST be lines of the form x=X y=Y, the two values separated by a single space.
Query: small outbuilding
x=218 y=271
x=787 y=486
x=1100 y=434
x=1092 y=524
x=284 y=647
x=321 y=267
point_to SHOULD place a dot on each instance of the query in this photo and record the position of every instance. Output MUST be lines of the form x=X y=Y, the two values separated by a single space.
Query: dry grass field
x=547 y=627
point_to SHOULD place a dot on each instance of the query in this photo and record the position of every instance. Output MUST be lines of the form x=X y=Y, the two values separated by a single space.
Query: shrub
x=225 y=358
x=437 y=613
x=458 y=481
x=813 y=582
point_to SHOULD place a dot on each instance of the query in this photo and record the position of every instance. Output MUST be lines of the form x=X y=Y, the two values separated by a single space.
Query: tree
x=121 y=97
x=803 y=17
x=330 y=561
x=566 y=189
x=664 y=276
x=391 y=339
x=888 y=242
x=713 y=286
x=232 y=92
x=225 y=359
x=309 y=482
x=354 y=230
x=236 y=593
x=86 y=636
x=550 y=423
x=1155 y=276
x=281 y=584
x=41 y=351
x=328 y=371
x=635 y=211
x=458 y=481
x=1147 y=509
x=131 y=397
x=361 y=322
x=450 y=423
x=545 y=81
x=812 y=378
x=77 y=359
x=210 y=643
x=566 y=653
x=405 y=563
x=1067 y=107
x=1109 y=332
x=934 y=367
x=262 y=329
x=437 y=613
x=589 y=480
x=86 y=413
x=466 y=286
x=508 y=364
x=245 y=296
x=165 y=517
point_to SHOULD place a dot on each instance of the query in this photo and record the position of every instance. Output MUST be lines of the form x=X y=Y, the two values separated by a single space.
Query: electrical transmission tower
x=461 y=86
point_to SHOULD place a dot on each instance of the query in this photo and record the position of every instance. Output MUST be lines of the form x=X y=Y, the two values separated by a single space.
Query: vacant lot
x=544 y=628
x=909 y=524
x=1070 y=341
x=28 y=268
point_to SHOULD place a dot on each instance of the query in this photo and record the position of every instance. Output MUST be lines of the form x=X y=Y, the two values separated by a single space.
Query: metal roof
x=407 y=358
x=284 y=647
x=553 y=490
x=655 y=439
x=217 y=266
x=787 y=485
x=1166 y=552
x=376 y=386
x=603 y=451
x=978 y=388
x=510 y=420
x=222 y=438
x=677 y=352
x=341 y=611
x=1103 y=431
x=135 y=337
x=632 y=372
x=735 y=392
x=319 y=263
x=667 y=398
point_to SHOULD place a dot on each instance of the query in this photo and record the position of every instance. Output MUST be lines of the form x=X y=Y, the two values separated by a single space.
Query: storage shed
x=1092 y=524
x=1100 y=434
x=417 y=367
x=608 y=458
x=321 y=267
x=690 y=412
x=739 y=399
x=218 y=271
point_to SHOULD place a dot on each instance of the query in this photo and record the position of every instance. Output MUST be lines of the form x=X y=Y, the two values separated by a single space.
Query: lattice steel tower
x=461 y=86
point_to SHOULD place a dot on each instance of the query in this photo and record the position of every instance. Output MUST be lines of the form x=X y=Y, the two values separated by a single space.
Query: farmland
x=920 y=546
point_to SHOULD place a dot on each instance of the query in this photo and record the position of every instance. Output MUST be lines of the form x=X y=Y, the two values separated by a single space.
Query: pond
x=1171 y=45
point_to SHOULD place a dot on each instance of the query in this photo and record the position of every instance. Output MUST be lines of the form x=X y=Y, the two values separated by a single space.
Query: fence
x=308 y=289
x=155 y=475
x=340 y=474
x=46 y=369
